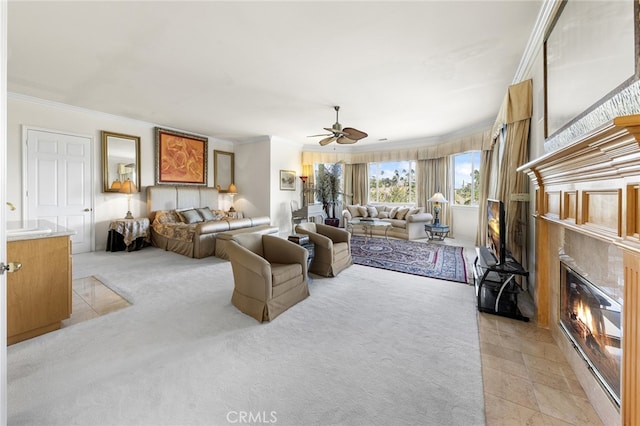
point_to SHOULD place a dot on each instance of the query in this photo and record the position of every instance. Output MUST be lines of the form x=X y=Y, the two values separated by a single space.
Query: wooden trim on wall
x=542 y=270
x=631 y=347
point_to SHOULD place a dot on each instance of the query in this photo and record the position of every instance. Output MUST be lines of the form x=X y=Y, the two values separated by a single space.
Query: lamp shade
x=438 y=198
x=233 y=189
x=116 y=185
x=128 y=187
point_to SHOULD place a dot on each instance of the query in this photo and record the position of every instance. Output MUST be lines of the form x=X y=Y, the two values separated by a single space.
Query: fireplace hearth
x=592 y=321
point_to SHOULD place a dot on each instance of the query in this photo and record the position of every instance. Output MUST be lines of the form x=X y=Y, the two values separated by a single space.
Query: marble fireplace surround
x=587 y=202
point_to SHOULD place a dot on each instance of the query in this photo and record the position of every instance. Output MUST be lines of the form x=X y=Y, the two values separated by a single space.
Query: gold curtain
x=516 y=117
x=432 y=177
x=486 y=165
x=356 y=180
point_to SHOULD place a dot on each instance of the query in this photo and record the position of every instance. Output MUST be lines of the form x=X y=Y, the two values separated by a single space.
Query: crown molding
x=545 y=18
x=71 y=108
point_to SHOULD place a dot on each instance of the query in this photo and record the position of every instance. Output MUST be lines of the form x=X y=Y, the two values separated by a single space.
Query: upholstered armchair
x=269 y=274
x=332 y=251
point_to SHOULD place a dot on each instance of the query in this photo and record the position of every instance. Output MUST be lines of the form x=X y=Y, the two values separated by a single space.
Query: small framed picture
x=287 y=180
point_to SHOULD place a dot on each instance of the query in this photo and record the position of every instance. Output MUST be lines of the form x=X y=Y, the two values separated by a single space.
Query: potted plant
x=328 y=190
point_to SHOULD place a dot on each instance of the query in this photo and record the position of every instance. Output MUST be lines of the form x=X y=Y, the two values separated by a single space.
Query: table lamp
x=437 y=198
x=128 y=188
x=232 y=193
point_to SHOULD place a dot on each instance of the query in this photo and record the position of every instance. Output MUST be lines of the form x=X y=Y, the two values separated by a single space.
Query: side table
x=303 y=240
x=438 y=231
x=128 y=234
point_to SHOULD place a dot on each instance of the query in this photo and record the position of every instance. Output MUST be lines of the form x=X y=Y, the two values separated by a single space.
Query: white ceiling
x=237 y=70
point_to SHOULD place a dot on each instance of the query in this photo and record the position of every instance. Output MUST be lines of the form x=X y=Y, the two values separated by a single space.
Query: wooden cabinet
x=39 y=294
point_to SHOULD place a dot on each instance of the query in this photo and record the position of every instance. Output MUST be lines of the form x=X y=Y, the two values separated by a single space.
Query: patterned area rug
x=425 y=259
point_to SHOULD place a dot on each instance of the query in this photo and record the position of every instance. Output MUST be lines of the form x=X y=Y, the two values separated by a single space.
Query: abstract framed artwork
x=287 y=180
x=181 y=158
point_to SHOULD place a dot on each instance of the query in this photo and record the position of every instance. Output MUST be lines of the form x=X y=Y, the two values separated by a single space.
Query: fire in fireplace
x=592 y=320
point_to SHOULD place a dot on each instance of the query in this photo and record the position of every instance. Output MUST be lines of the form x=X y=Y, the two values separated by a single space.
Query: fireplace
x=592 y=321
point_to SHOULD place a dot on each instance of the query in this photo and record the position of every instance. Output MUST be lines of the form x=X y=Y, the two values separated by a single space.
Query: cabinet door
x=39 y=295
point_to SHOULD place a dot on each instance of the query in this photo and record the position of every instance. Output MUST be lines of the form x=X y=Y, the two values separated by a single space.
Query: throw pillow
x=206 y=213
x=383 y=215
x=402 y=213
x=372 y=211
x=191 y=216
x=392 y=212
x=219 y=214
x=353 y=210
x=166 y=216
x=414 y=211
x=363 y=211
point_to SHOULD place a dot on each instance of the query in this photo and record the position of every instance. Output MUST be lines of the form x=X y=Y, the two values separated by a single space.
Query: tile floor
x=527 y=380
x=90 y=299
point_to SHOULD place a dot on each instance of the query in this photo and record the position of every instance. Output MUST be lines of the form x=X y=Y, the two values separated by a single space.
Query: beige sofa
x=406 y=222
x=166 y=207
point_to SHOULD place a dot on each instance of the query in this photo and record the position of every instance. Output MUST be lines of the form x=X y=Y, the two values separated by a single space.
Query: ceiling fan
x=347 y=135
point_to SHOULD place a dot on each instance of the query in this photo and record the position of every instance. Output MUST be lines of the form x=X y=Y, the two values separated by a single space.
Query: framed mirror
x=120 y=160
x=223 y=168
x=590 y=54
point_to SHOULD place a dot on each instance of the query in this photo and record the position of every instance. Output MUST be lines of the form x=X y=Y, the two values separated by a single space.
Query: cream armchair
x=269 y=274
x=332 y=251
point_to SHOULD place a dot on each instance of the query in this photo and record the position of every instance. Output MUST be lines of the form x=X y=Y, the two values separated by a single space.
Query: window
x=466 y=169
x=392 y=182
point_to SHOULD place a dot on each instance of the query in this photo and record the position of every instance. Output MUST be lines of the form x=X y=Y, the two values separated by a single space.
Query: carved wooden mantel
x=592 y=186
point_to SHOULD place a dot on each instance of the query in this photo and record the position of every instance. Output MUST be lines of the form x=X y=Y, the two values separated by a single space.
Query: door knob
x=10 y=267
x=87 y=209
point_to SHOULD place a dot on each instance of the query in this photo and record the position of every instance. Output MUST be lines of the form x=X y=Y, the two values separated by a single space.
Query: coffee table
x=367 y=227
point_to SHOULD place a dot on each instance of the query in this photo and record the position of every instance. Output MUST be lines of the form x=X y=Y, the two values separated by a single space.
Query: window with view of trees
x=466 y=169
x=392 y=182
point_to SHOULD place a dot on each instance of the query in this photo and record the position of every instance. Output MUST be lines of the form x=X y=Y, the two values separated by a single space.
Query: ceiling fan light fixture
x=347 y=135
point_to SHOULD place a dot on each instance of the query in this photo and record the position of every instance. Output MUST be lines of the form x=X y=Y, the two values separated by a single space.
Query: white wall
x=258 y=165
x=253 y=180
x=23 y=111
x=464 y=223
x=285 y=155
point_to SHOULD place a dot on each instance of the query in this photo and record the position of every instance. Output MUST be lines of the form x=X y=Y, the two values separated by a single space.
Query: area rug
x=439 y=261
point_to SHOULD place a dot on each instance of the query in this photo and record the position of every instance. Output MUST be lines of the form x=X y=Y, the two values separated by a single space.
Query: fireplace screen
x=592 y=320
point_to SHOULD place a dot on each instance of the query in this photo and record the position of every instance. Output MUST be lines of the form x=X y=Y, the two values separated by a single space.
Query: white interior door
x=58 y=175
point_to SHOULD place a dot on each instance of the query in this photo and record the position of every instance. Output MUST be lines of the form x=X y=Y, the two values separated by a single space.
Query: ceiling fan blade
x=345 y=140
x=354 y=134
x=324 y=134
x=327 y=141
x=334 y=130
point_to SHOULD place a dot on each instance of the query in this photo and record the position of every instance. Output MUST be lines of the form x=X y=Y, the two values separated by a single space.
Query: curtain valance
x=516 y=106
x=477 y=141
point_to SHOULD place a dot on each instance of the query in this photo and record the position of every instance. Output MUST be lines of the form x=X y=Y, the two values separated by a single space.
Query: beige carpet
x=374 y=348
